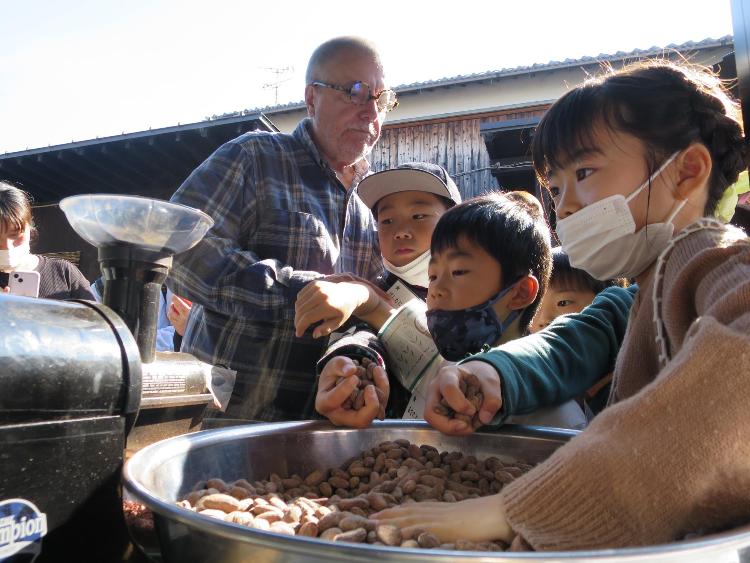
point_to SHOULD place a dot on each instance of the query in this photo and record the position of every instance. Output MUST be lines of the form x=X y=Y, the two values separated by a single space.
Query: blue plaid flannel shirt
x=282 y=219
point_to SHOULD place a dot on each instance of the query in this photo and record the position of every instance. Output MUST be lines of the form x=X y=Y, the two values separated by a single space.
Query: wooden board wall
x=456 y=144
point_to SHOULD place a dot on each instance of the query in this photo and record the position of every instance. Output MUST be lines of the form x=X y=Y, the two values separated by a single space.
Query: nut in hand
x=471 y=388
x=366 y=374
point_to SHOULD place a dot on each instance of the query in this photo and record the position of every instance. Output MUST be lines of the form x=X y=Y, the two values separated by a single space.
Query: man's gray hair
x=328 y=50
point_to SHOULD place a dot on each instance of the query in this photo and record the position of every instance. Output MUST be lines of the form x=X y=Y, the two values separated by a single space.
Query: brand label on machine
x=22 y=525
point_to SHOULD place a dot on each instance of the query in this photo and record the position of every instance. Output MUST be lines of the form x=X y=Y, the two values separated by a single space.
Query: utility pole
x=278 y=71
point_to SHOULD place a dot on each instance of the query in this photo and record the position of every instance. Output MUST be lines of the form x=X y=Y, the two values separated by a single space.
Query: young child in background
x=636 y=162
x=58 y=278
x=570 y=291
x=406 y=202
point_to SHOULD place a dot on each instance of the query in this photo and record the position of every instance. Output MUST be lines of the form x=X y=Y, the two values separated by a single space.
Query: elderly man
x=286 y=212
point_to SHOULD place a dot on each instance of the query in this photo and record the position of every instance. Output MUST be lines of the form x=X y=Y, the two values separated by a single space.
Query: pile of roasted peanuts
x=336 y=504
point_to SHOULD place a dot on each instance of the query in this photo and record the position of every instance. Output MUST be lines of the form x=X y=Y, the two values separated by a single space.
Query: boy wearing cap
x=406 y=202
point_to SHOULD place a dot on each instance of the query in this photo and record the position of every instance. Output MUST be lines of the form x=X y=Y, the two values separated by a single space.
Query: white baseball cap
x=410 y=176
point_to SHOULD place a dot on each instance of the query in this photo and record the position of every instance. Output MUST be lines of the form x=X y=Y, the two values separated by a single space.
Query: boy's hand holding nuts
x=352 y=393
x=463 y=397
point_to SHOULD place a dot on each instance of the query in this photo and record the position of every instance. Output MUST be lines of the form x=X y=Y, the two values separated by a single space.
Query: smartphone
x=25 y=284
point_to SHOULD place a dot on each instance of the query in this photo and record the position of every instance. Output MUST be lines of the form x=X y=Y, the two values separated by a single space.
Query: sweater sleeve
x=79 y=285
x=357 y=340
x=60 y=279
x=671 y=458
x=565 y=359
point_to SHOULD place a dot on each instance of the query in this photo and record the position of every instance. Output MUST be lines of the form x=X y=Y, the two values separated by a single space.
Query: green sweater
x=562 y=361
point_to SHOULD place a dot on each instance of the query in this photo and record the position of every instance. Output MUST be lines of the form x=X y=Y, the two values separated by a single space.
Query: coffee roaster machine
x=81 y=385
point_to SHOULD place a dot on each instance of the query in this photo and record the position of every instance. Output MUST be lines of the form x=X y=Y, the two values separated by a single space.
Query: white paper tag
x=408 y=343
x=400 y=293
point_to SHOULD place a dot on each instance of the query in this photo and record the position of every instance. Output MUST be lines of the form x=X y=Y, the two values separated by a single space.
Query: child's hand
x=178 y=313
x=332 y=394
x=446 y=385
x=331 y=303
x=451 y=521
x=375 y=291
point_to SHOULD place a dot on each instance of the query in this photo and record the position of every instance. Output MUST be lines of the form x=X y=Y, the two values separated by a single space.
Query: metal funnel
x=136 y=238
x=149 y=224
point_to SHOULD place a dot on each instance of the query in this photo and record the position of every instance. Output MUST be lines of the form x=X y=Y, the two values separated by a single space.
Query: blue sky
x=79 y=69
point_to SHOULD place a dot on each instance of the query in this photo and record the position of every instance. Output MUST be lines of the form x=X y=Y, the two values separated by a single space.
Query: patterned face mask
x=460 y=333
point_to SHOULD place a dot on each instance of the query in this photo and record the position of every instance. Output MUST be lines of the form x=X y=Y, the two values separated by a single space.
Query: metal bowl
x=107 y=219
x=161 y=473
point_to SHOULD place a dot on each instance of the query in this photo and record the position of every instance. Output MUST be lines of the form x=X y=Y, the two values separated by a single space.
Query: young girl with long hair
x=636 y=162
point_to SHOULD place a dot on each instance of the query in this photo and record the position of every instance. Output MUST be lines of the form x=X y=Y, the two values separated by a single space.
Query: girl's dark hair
x=566 y=277
x=511 y=228
x=667 y=106
x=15 y=208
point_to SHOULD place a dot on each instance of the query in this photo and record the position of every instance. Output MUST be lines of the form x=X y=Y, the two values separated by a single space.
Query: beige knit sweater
x=671 y=454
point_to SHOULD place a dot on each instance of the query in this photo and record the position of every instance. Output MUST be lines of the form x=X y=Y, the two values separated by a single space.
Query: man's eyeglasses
x=359 y=93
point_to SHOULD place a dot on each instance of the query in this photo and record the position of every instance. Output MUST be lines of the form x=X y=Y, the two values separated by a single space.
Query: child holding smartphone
x=636 y=162
x=58 y=279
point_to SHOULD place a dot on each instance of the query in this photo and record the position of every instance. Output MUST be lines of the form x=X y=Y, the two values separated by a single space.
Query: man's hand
x=332 y=394
x=446 y=385
x=330 y=304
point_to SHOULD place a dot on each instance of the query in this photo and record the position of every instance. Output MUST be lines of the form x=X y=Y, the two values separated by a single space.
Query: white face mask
x=601 y=237
x=12 y=258
x=413 y=273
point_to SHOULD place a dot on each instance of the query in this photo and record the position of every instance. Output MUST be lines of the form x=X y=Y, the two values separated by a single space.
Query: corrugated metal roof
x=234 y=118
x=709 y=43
x=151 y=163
x=554 y=65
